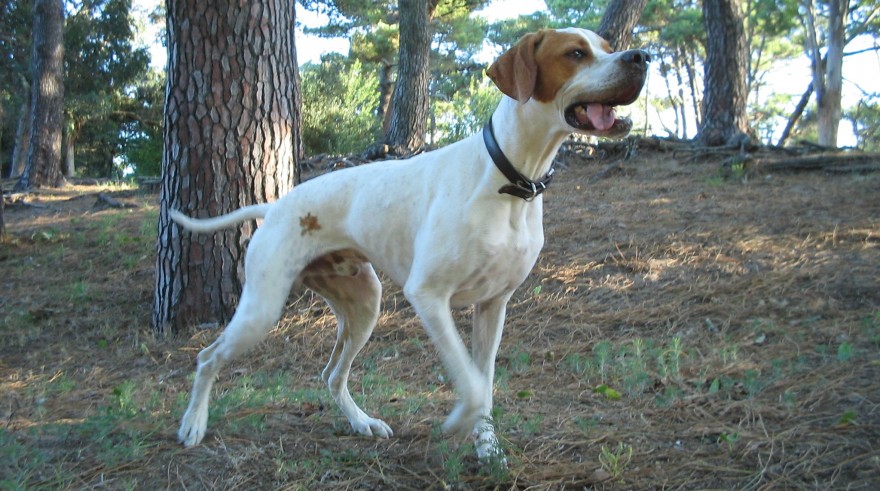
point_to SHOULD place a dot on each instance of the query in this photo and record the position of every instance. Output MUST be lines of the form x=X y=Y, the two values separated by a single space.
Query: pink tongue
x=601 y=116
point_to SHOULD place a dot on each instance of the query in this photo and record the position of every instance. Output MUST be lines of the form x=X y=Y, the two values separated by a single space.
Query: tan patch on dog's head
x=542 y=62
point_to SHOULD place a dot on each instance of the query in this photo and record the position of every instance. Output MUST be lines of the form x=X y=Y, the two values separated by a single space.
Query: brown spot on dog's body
x=308 y=224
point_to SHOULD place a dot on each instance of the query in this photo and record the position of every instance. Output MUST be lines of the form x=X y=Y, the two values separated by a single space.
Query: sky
x=310 y=48
x=861 y=72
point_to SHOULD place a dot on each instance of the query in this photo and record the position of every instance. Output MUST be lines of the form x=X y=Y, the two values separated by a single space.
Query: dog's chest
x=493 y=271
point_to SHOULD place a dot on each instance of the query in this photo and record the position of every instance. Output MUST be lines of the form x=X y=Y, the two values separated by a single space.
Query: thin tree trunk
x=67 y=153
x=619 y=20
x=829 y=101
x=409 y=106
x=696 y=99
x=231 y=139
x=677 y=105
x=43 y=166
x=2 y=223
x=681 y=96
x=22 y=138
x=795 y=116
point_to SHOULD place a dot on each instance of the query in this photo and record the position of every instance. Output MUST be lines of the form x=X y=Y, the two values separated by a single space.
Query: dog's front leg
x=434 y=310
x=486 y=337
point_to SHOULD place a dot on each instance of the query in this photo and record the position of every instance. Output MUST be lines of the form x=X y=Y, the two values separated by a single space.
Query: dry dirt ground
x=683 y=329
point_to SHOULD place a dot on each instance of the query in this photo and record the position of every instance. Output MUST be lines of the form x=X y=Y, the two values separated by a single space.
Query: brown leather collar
x=520 y=185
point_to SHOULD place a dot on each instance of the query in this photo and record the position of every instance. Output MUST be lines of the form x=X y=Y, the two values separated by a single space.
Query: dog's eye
x=577 y=54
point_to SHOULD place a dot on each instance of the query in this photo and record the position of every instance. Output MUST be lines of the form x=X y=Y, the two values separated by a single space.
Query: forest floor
x=684 y=328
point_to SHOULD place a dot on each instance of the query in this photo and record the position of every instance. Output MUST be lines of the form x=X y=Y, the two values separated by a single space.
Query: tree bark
x=2 y=223
x=231 y=139
x=67 y=154
x=386 y=87
x=724 y=95
x=619 y=20
x=22 y=138
x=409 y=105
x=43 y=167
x=828 y=100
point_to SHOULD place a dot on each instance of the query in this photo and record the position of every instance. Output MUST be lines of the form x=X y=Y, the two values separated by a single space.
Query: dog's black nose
x=637 y=56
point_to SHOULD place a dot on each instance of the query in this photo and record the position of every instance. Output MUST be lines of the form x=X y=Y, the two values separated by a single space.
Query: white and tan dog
x=454 y=227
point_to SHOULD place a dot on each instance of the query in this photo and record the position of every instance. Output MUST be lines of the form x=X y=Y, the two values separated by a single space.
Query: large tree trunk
x=231 y=139
x=724 y=95
x=619 y=20
x=43 y=167
x=409 y=106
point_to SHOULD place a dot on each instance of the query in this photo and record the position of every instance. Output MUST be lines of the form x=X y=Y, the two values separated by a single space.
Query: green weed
x=871 y=328
x=844 y=352
x=520 y=361
x=848 y=418
x=602 y=355
x=614 y=461
x=728 y=438
x=586 y=425
x=79 y=292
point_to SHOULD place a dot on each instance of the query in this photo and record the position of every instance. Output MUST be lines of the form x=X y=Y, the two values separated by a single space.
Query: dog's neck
x=532 y=135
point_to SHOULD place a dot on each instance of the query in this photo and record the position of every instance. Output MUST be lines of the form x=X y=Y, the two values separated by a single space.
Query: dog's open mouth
x=591 y=116
x=600 y=117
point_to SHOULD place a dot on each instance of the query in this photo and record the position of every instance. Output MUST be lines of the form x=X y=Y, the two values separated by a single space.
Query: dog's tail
x=223 y=221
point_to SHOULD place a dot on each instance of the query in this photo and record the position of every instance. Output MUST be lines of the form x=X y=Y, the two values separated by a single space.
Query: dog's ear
x=515 y=72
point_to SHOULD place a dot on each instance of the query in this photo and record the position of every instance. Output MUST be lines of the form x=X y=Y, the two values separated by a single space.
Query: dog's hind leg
x=262 y=300
x=353 y=292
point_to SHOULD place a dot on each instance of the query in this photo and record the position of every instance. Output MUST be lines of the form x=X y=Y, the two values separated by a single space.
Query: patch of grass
x=520 y=361
x=871 y=328
x=19 y=462
x=586 y=425
x=79 y=292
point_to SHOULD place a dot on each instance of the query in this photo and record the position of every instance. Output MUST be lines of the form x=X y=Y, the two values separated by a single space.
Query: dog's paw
x=462 y=419
x=372 y=427
x=192 y=428
x=487 y=446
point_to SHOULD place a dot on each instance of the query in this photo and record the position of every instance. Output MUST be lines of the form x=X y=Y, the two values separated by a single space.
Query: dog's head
x=576 y=71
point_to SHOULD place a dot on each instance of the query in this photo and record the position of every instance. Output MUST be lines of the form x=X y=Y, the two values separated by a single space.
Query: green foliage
x=106 y=112
x=864 y=119
x=339 y=102
x=466 y=112
x=140 y=147
x=102 y=67
x=576 y=12
x=16 y=22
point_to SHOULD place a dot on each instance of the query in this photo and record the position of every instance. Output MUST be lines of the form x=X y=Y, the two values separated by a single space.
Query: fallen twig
x=104 y=200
